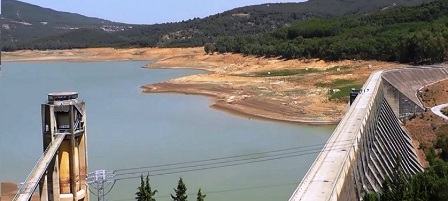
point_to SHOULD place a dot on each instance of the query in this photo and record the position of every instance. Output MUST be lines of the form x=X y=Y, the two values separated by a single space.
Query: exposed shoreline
x=237 y=108
x=234 y=81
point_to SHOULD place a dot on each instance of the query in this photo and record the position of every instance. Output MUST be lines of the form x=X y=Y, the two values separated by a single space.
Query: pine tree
x=371 y=197
x=149 y=192
x=145 y=193
x=181 y=191
x=200 y=196
x=140 y=194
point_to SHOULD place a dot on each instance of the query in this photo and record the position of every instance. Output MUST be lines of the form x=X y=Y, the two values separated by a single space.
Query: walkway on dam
x=322 y=180
x=438 y=110
x=32 y=181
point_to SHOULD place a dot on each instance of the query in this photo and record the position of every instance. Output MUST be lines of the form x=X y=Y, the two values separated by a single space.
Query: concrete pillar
x=76 y=167
x=82 y=160
x=43 y=188
x=64 y=167
x=54 y=192
x=73 y=158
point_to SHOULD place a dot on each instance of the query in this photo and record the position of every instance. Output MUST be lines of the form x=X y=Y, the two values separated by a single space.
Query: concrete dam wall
x=363 y=150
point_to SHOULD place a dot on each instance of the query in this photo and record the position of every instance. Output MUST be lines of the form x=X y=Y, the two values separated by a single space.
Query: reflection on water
x=129 y=129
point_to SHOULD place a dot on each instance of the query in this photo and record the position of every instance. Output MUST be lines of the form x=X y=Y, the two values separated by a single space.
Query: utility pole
x=98 y=180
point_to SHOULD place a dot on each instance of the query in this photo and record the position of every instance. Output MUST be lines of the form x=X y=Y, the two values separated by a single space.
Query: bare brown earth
x=238 y=83
x=9 y=189
x=435 y=94
x=425 y=128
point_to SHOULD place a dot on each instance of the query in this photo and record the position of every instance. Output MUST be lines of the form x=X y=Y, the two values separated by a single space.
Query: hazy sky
x=147 y=11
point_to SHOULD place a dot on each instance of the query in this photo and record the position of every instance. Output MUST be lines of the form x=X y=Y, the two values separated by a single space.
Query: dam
x=372 y=126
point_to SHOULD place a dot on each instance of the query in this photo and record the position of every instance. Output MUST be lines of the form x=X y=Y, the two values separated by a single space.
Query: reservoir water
x=127 y=129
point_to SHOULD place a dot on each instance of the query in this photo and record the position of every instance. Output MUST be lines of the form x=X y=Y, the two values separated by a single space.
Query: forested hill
x=26 y=26
x=257 y=19
x=409 y=34
x=23 y=23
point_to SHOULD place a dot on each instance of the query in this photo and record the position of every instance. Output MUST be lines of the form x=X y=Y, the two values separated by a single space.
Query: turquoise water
x=127 y=128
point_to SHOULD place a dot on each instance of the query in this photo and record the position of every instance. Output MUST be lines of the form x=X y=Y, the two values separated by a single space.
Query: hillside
x=23 y=23
x=25 y=26
x=416 y=35
x=263 y=18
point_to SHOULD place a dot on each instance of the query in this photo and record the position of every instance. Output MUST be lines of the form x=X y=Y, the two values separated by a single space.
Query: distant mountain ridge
x=24 y=23
x=26 y=26
x=20 y=11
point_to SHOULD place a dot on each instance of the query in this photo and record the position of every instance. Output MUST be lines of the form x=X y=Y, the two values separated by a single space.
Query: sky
x=147 y=11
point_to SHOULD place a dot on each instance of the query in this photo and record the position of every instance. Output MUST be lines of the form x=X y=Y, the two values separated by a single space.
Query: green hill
x=25 y=26
x=24 y=23
x=416 y=35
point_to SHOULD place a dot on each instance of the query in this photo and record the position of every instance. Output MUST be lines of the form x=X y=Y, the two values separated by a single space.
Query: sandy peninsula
x=271 y=88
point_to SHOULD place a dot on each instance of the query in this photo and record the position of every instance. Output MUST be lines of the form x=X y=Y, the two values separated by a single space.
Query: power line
x=99 y=180
x=225 y=165
x=219 y=158
x=227 y=161
x=206 y=164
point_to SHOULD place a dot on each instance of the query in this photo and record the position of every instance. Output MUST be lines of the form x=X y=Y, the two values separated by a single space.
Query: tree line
x=417 y=35
x=145 y=192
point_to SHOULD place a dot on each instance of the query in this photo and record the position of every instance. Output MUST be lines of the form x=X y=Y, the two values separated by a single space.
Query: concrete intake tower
x=64 y=123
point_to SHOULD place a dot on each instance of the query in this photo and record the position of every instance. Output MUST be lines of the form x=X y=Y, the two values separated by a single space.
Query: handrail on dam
x=323 y=178
x=29 y=186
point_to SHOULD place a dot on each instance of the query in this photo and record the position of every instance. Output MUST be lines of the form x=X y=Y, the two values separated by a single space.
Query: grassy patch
x=285 y=72
x=338 y=69
x=302 y=71
x=343 y=94
x=340 y=88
